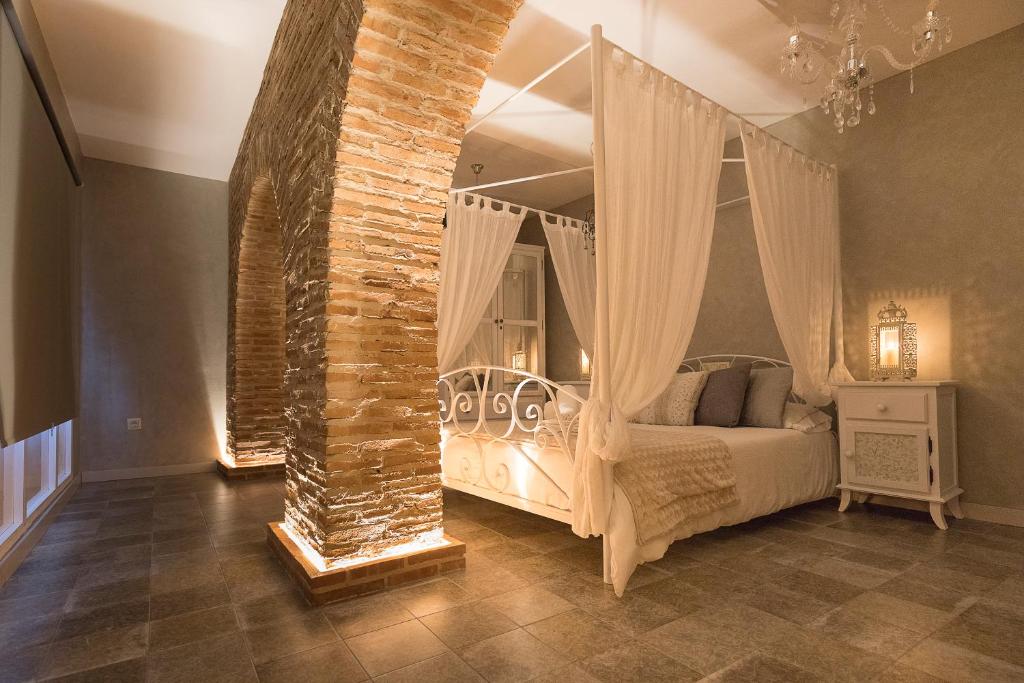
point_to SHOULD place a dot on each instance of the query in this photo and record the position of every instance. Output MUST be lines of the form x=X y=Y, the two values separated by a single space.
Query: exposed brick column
x=363 y=444
x=256 y=330
x=417 y=72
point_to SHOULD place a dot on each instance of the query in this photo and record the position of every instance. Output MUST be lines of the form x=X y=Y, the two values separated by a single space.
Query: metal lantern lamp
x=893 y=344
x=584 y=364
x=519 y=360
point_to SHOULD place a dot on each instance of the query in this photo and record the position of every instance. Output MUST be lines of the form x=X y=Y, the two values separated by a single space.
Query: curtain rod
x=524 y=179
x=553 y=174
x=526 y=88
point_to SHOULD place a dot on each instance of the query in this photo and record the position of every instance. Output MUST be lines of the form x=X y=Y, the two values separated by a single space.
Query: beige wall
x=153 y=316
x=931 y=211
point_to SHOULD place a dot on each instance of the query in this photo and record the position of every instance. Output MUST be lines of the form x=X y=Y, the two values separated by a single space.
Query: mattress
x=775 y=469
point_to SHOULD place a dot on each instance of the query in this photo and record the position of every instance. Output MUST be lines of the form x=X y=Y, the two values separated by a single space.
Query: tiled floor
x=171 y=579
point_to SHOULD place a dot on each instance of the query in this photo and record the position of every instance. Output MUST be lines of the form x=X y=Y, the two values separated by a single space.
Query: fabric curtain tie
x=607 y=430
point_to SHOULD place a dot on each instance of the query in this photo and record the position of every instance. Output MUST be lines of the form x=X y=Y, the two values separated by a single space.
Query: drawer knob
x=849 y=454
x=881 y=407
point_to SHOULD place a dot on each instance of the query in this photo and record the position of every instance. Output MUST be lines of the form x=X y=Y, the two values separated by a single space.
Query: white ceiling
x=169 y=84
x=164 y=84
x=726 y=49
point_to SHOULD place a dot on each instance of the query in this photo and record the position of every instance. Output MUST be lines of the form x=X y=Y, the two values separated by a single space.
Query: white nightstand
x=898 y=439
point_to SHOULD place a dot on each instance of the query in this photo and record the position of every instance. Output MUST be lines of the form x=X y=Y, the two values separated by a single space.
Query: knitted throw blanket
x=674 y=477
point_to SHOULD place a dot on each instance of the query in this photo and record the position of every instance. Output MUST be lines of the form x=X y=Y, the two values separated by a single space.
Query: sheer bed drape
x=474 y=249
x=794 y=201
x=577 y=274
x=656 y=179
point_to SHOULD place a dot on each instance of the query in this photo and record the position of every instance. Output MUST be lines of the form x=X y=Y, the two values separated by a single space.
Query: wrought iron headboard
x=727 y=360
x=473 y=401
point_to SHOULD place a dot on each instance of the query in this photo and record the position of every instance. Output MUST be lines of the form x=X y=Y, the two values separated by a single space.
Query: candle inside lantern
x=889 y=343
x=584 y=364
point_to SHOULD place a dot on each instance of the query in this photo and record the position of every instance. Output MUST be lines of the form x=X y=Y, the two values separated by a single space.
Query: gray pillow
x=767 y=392
x=721 y=402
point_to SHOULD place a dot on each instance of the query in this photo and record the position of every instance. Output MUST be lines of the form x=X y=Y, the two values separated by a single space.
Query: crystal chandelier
x=804 y=59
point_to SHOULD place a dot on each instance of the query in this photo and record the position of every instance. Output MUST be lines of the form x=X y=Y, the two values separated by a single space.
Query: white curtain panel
x=474 y=249
x=656 y=184
x=576 y=269
x=794 y=201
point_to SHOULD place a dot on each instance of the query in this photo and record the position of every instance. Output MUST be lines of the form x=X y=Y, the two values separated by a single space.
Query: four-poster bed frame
x=499 y=442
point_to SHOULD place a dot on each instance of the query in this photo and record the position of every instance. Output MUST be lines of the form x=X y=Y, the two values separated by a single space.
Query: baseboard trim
x=144 y=472
x=26 y=541
x=992 y=513
x=976 y=511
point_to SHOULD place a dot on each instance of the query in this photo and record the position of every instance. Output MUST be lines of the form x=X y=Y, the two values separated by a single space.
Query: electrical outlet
x=134 y=424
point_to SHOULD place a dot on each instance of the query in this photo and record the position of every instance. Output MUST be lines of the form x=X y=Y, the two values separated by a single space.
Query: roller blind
x=36 y=214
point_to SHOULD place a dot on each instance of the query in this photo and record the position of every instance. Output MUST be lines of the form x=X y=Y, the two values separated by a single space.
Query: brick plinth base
x=258 y=470
x=365 y=577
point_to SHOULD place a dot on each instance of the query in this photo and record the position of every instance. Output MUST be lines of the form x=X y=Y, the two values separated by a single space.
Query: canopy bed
x=627 y=461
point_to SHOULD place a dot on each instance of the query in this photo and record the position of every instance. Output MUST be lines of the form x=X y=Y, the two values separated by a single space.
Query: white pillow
x=676 y=405
x=805 y=418
x=678 y=402
x=567 y=403
x=647 y=416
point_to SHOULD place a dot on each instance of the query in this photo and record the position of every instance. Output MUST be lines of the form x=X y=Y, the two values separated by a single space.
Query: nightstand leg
x=954 y=507
x=844 y=500
x=937 y=516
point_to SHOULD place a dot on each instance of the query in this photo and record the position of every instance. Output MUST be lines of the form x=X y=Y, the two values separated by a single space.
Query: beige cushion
x=675 y=405
x=766 y=397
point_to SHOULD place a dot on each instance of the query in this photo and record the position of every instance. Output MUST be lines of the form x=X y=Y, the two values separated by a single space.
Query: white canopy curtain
x=474 y=249
x=576 y=269
x=794 y=201
x=657 y=158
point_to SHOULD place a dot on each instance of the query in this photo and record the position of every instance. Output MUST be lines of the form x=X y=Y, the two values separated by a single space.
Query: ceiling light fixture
x=804 y=60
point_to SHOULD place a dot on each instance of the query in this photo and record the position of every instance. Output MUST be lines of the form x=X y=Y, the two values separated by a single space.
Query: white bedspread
x=775 y=469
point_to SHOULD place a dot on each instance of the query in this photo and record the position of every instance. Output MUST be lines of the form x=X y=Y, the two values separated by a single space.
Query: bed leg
x=607 y=555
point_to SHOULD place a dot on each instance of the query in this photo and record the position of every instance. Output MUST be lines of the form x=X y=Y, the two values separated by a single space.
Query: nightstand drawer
x=900 y=406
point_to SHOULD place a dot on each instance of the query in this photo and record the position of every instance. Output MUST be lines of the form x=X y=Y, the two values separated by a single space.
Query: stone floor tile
x=331 y=663
x=868 y=633
x=446 y=668
x=467 y=624
x=362 y=615
x=274 y=639
x=433 y=596
x=634 y=615
x=128 y=671
x=827 y=657
x=201 y=596
x=637 y=662
x=394 y=647
x=575 y=634
x=988 y=629
x=510 y=657
x=224 y=658
x=906 y=587
x=530 y=604
x=94 y=650
x=949 y=662
x=185 y=628
x=79 y=622
x=902 y=613
x=761 y=668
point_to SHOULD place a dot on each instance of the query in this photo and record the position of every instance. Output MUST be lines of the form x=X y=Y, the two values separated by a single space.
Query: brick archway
x=256 y=330
x=358 y=123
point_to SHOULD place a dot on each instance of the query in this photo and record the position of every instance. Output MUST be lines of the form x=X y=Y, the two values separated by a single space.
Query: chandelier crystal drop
x=848 y=72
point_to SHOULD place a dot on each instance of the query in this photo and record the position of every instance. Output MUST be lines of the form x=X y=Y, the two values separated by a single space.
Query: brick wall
x=256 y=397
x=358 y=127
